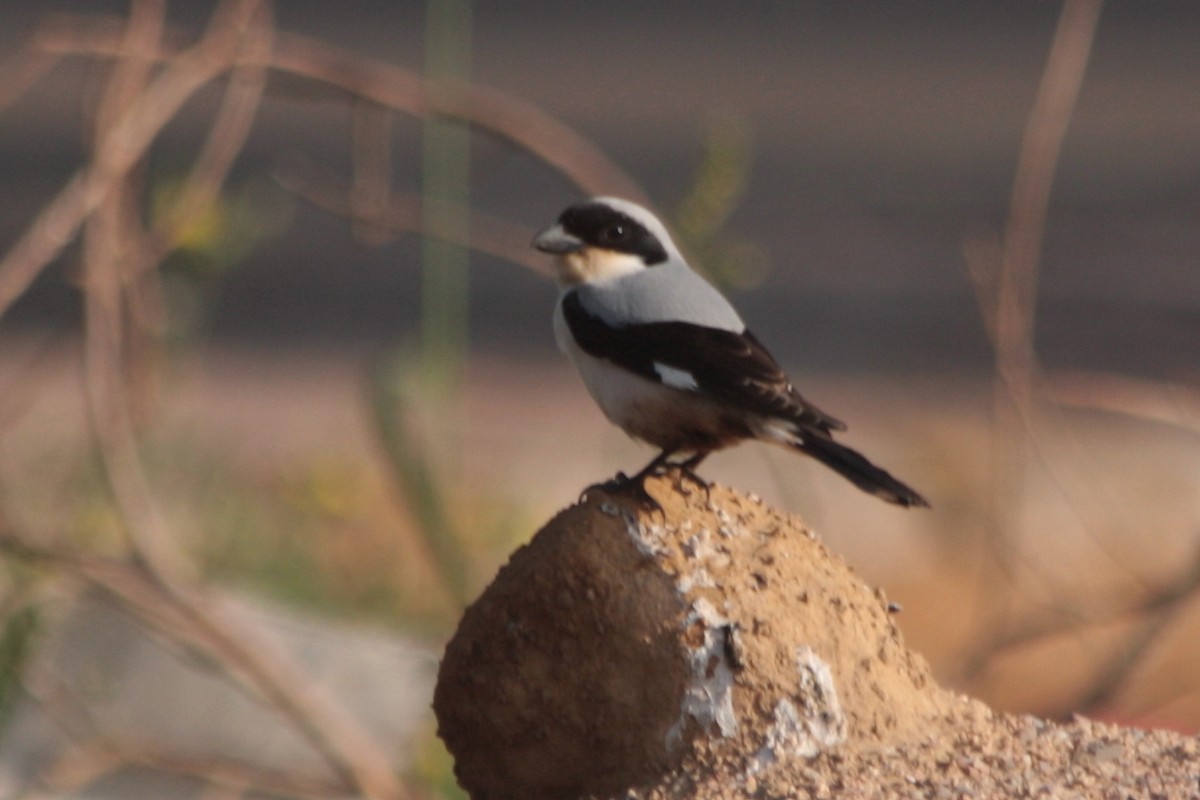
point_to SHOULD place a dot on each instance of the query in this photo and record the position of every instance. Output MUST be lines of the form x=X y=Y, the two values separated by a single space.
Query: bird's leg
x=635 y=484
x=656 y=463
x=687 y=469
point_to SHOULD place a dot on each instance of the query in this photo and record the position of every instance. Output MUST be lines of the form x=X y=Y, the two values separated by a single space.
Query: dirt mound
x=714 y=649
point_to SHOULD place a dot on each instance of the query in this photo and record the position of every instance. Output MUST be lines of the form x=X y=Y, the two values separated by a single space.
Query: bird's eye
x=613 y=234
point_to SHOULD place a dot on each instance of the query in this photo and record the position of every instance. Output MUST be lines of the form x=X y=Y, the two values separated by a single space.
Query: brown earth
x=716 y=649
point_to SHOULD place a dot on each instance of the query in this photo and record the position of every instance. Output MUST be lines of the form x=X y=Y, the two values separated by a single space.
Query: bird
x=667 y=357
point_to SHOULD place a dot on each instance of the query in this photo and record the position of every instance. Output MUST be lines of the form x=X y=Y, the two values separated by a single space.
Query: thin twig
x=108 y=232
x=126 y=129
x=411 y=476
x=371 y=170
x=492 y=111
x=1041 y=145
x=489 y=234
x=197 y=623
x=1007 y=291
x=501 y=114
x=341 y=740
x=1163 y=402
x=124 y=144
x=1170 y=602
x=92 y=752
x=1161 y=599
x=131 y=118
x=227 y=135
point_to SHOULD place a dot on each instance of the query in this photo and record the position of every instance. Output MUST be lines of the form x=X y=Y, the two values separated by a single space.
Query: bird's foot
x=612 y=485
x=661 y=464
x=687 y=475
x=634 y=487
x=687 y=472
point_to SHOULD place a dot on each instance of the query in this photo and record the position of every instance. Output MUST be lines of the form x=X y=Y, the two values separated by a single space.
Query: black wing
x=728 y=366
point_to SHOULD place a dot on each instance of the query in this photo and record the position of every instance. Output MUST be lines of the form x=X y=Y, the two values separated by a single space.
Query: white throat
x=596 y=264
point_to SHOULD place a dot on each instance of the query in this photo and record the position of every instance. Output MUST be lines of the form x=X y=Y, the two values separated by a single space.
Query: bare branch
x=371 y=168
x=123 y=145
x=1157 y=401
x=1005 y=279
x=492 y=111
x=489 y=234
x=93 y=753
x=228 y=134
x=110 y=230
x=196 y=622
x=503 y=115
x=133 y=111
x=1164 y=599
x=1164 y=608
x=1041 y=144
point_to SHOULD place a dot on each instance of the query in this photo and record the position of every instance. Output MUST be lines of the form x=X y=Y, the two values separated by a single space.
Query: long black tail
x=854 y=467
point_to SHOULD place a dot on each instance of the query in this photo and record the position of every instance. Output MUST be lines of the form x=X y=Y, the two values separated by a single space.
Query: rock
x=620 y=636
x=717 y=651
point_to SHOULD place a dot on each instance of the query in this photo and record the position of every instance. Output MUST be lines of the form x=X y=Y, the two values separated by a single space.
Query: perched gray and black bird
x=667 y=357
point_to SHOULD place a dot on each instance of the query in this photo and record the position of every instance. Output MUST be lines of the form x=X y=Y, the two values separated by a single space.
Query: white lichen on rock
x=649 y=539
x=699 y=577
x=818 y=725
x=708 y=697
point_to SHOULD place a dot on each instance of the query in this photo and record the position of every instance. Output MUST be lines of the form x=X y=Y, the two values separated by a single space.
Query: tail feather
x=854 y=467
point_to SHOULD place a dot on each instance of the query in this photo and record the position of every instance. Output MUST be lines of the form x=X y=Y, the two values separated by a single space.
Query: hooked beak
x=555 y=240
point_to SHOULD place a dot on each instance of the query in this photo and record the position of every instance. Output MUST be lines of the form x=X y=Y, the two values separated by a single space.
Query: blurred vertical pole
x=1041 y=144
x=445 y=200
x=1017 y=281
x=1014 y=319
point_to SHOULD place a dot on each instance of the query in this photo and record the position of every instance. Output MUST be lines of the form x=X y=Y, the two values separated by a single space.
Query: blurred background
x=278 y=391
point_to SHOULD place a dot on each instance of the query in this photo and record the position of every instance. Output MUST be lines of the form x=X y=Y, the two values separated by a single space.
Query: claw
x=611 y=486
x=687 y=471
x=686 y=474
x=637 y=488
x=634 y=486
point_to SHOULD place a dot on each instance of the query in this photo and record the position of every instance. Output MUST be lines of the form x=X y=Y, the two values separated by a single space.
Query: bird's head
x=605 y=237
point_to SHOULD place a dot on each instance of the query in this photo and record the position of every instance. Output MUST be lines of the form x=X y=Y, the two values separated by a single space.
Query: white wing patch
x=676 y=378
